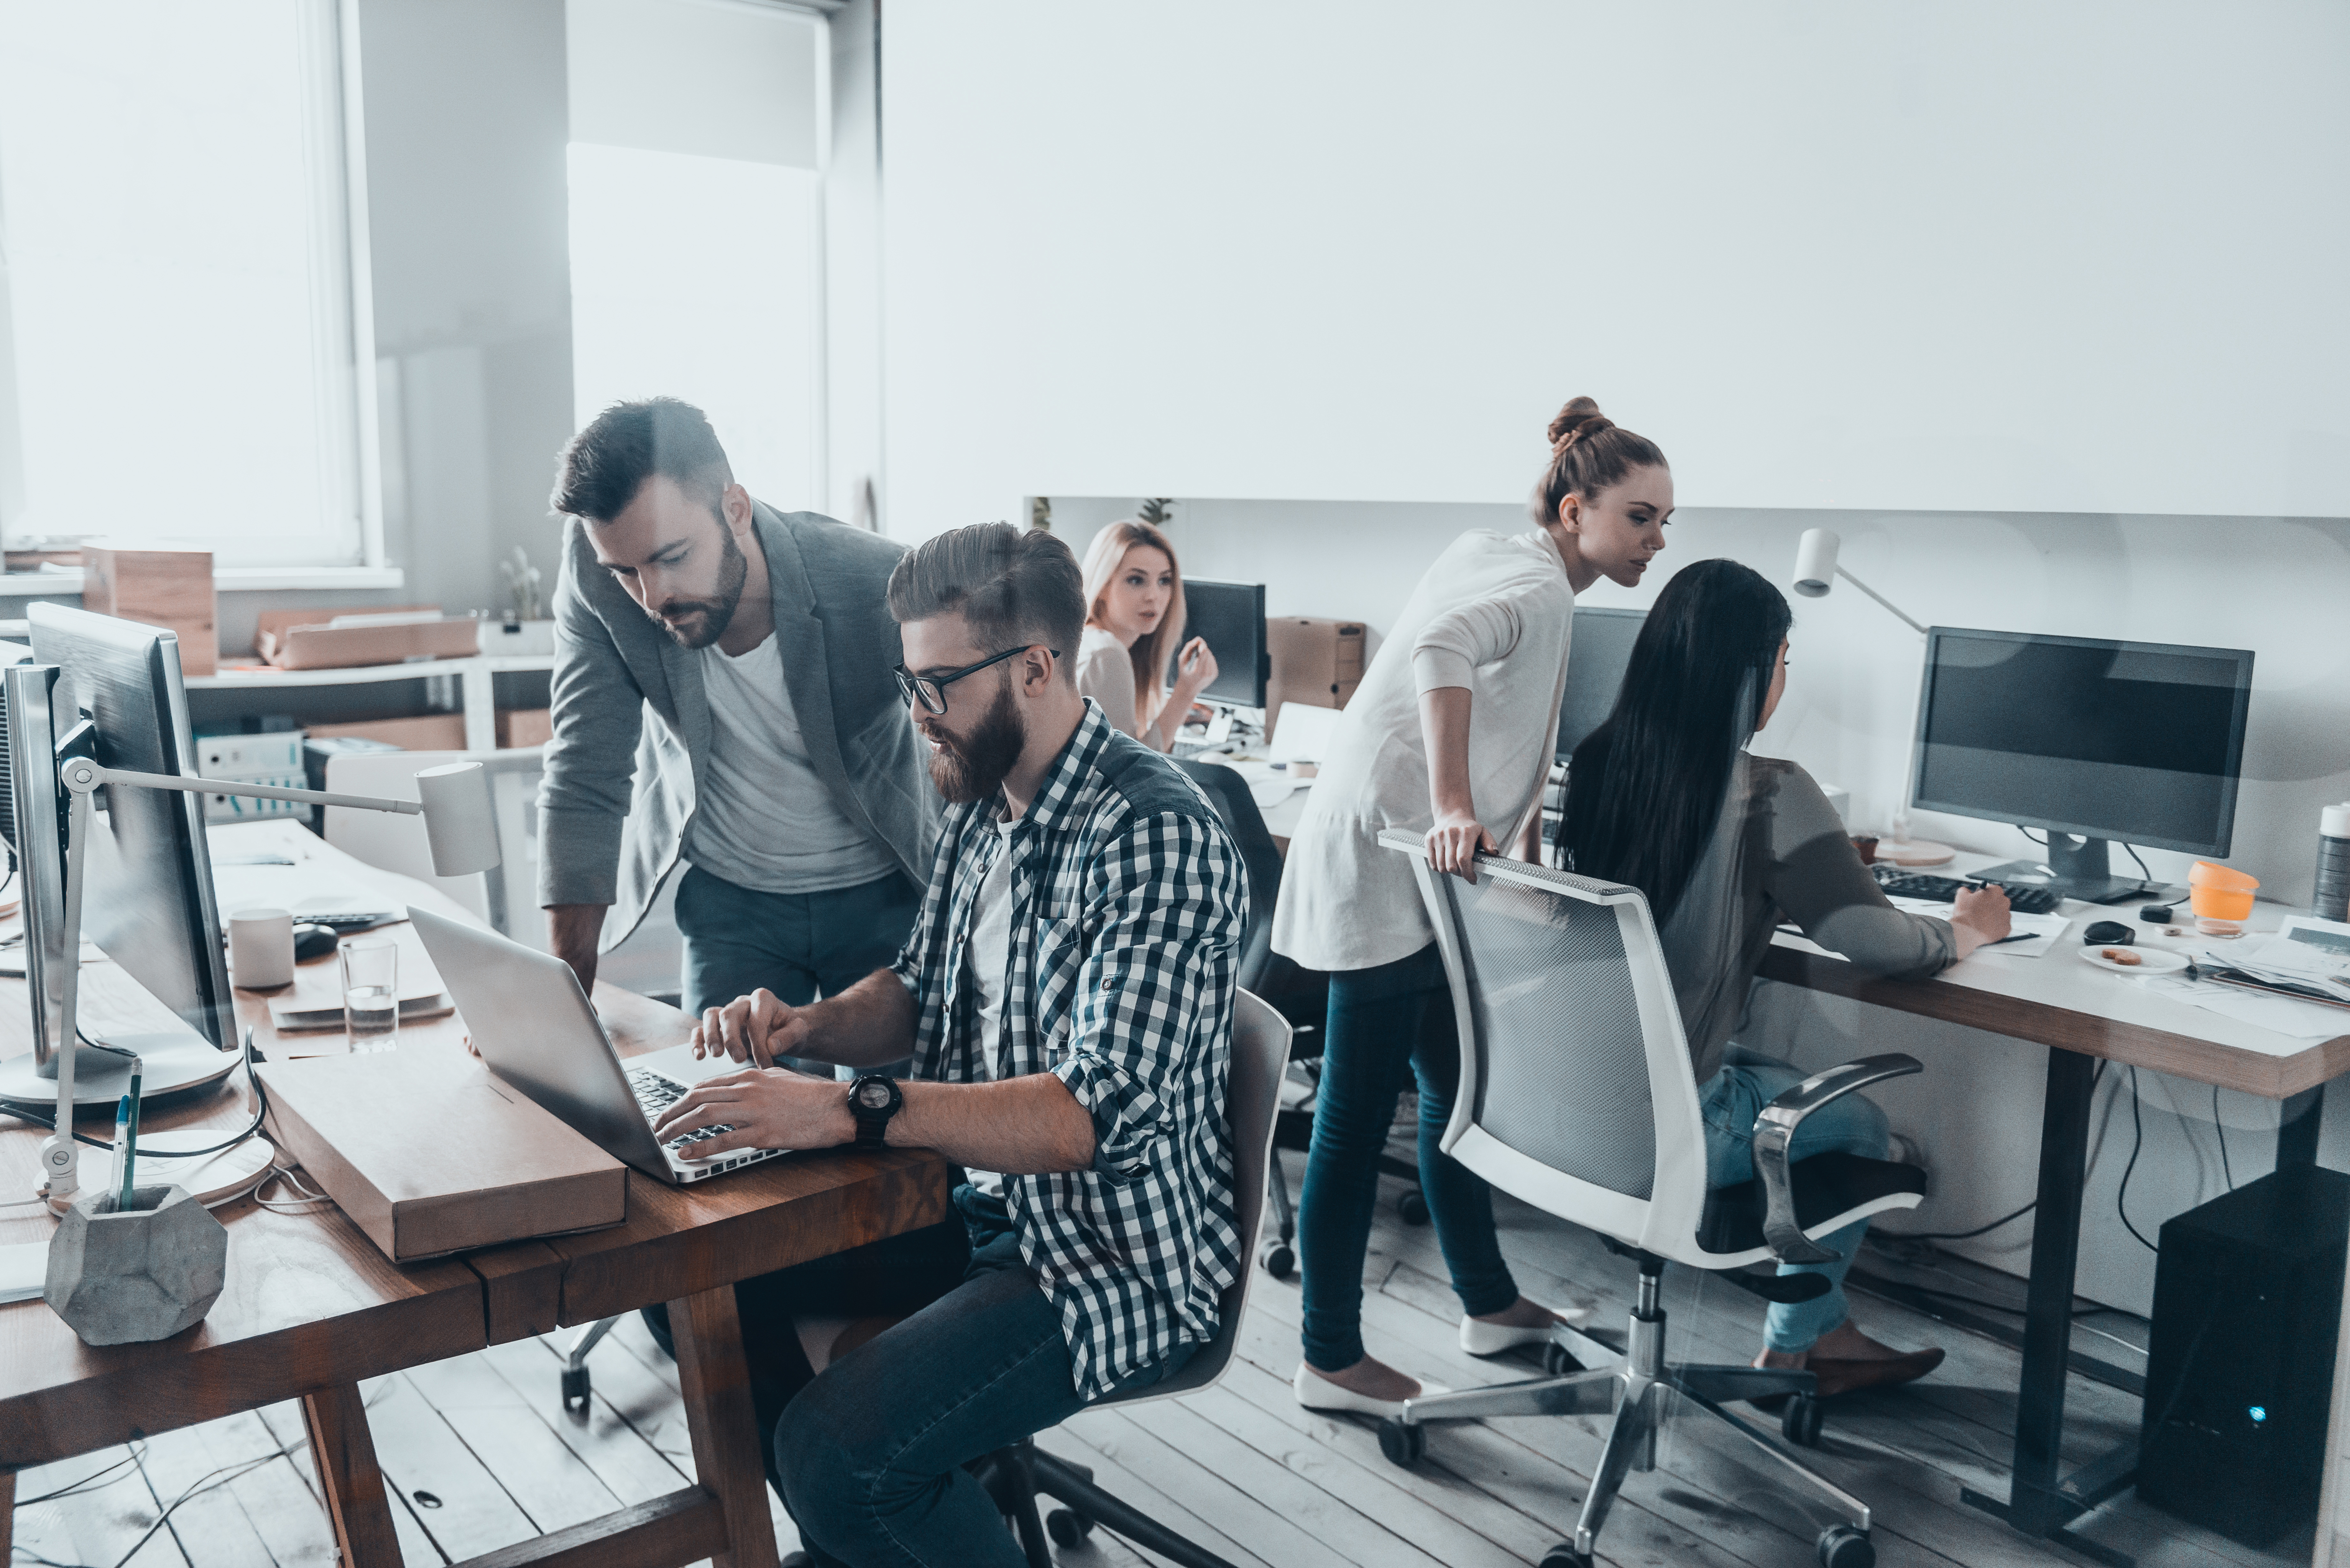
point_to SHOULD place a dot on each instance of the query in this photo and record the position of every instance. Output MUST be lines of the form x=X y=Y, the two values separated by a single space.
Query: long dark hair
x=1645 y=790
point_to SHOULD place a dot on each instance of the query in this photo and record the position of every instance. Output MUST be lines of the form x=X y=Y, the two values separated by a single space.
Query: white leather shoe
x=1316 y=1392
x=1478 y=1337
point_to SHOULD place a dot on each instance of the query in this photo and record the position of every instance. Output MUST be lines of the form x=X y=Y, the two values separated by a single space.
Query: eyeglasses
x=930 y=690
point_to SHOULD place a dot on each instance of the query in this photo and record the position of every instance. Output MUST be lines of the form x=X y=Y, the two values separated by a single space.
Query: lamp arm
x=1880 y=598
x=81 y=775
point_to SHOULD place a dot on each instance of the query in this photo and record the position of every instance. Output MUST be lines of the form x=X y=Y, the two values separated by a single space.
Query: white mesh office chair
x=1576 y=1095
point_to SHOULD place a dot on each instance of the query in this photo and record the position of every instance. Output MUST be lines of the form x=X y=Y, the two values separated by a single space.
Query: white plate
x=2153 y=960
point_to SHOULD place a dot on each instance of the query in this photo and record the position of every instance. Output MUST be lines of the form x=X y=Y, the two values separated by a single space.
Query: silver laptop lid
x=534 y=1029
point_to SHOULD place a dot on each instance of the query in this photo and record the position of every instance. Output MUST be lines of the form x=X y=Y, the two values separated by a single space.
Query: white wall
x=1999 y=256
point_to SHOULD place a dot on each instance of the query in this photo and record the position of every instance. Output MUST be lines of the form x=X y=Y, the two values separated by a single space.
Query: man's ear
x=734 y=502
x=1036 y=671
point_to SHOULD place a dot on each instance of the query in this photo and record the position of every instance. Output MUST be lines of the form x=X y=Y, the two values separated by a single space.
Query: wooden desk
x=2083 y=1016
x=313 y=1308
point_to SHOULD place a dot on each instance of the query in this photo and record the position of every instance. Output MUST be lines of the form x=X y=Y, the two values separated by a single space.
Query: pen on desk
x=121 y=1149
x=2019 y=937
x=130 y=1144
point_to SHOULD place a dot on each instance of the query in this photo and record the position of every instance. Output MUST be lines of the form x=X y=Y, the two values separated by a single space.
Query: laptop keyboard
x=656 y=1094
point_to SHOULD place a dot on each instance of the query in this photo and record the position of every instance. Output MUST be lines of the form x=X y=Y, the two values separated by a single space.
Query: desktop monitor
x=1598 y=654
x=1230 y=617
x=2136 y=741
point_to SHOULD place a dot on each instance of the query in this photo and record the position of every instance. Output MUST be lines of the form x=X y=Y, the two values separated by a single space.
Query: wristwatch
x=873 y=1099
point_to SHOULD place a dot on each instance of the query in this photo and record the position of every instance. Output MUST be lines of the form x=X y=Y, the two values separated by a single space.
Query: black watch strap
x=873 y=1099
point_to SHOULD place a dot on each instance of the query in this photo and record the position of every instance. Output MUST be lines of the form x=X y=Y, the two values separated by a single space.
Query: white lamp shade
x=1815 y=562
x=460 y=819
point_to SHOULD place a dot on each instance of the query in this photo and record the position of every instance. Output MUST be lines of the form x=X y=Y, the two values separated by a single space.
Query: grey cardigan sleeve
x=1816 y=877
x=598 y=716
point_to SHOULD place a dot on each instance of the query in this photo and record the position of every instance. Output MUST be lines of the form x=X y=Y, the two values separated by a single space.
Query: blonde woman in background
x=1134 y=613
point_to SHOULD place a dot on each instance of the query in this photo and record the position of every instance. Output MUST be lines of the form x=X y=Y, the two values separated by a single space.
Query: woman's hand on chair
x=1454 y=841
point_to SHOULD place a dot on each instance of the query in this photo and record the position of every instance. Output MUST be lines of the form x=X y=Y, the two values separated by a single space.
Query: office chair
x=1300 y=995
x=1576 y=1095
x=1015 y=1477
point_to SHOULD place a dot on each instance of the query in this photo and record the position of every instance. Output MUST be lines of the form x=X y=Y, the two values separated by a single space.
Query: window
x=178 y=338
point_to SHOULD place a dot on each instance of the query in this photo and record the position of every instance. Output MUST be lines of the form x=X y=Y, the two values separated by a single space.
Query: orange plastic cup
x=2220 y=892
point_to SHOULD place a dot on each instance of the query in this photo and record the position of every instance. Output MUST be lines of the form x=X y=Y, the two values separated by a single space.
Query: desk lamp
x=1816 y=574
x=459 y=821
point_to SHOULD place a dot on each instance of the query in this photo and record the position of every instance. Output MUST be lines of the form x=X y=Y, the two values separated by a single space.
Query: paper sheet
x=2040 y=931
x=2301 y=1019
x=24 y=1269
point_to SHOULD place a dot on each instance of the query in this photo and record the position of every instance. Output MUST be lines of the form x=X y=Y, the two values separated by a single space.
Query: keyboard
x=656 y=1094
x=2023 y=897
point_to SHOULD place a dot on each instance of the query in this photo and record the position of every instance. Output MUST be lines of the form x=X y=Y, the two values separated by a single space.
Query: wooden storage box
x=429 y=1153
x=519 y=727
x=170 y=588
x=302 y=640
x=1315 y=661
x=423 y=732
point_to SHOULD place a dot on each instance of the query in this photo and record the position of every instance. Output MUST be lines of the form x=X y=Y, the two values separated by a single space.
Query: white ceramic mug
x=260 y=948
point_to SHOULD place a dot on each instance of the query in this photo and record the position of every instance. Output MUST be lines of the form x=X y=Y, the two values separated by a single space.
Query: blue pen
x=130 y=1147
x=121 y=1182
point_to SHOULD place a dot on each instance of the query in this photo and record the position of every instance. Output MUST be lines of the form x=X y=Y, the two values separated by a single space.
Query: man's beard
x=975 y=768
x=710 y=616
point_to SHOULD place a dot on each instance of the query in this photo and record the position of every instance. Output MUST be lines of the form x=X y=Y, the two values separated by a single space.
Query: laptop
x=534 y=1028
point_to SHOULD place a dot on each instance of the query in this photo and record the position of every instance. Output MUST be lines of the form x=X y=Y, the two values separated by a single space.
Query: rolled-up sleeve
x=1452 y=646
x=1168 y=905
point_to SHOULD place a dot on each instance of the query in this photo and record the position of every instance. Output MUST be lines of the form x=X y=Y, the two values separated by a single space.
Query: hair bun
x=1581 y=417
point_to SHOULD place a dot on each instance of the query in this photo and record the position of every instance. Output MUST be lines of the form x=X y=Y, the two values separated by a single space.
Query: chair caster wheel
x=1067 y=1529
x=575 y=1388
x=1562 y=1556
x=1558 y=1361
x=1800 y=1421
x=1405 y=1446
x=1841 y=1546
x=1413 y=1207
x=1279 y=1261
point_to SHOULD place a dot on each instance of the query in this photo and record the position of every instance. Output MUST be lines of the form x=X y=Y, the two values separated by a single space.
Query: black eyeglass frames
x=930 y=690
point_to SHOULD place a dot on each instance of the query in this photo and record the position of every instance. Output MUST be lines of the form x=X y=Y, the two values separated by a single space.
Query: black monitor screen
x=2130 y=741
x=1596 y=658
x=1230 y=616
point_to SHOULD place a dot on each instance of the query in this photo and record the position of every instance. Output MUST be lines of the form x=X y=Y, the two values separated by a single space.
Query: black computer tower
x=2240 y=1376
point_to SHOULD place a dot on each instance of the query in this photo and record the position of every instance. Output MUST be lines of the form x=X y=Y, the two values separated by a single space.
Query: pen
x=130 y=1145
x=122 y=1150
x=2019 y=937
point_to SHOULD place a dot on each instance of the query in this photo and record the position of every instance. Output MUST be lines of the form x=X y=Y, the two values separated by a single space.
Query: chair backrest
x=505 y=896
x=1259 y=1055
x=1577 y=1093
x=1228 y=791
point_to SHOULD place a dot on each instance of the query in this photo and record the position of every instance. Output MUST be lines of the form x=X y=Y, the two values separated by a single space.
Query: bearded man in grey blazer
x=724 y=700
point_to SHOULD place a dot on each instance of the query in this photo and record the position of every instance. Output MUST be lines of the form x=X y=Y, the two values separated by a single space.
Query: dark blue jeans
x=798 y=945
x=1384 y=1025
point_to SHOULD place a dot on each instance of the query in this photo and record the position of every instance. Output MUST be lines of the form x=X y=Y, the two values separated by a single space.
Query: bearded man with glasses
x=1067 y=999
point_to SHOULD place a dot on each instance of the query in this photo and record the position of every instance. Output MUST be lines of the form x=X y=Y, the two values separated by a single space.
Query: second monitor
x=1231 y=617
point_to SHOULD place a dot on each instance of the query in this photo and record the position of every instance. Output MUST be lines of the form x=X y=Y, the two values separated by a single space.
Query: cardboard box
x=302 y=640
x=170 y=588
x=429 y=1153
x=1315 y=661
x=426 y=732
x=522 y=727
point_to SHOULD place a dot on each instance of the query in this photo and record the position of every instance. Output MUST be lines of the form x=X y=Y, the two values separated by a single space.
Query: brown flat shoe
x=1880 y=1372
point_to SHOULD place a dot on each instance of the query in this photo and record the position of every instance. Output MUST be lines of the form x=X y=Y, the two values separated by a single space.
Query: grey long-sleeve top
x=1785 y=857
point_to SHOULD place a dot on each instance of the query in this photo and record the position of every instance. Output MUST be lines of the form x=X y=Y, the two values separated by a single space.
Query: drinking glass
x=370 y=993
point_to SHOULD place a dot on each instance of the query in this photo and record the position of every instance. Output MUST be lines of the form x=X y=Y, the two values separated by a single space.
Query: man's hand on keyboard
x=756 y=1029
x=760 y=1109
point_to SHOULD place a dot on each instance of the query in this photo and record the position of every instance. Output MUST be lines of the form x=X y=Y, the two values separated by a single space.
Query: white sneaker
x=1316 y=1392
x=1478 y=1337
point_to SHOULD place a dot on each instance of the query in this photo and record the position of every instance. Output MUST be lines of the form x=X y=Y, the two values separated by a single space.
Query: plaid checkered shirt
x=1128 y=907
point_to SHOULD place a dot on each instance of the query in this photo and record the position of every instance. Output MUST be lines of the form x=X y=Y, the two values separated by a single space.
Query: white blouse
x=1106 y=674
x=1494 y=614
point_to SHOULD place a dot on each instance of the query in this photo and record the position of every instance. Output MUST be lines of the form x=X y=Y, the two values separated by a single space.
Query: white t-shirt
x=987 y=950
x=763 y=819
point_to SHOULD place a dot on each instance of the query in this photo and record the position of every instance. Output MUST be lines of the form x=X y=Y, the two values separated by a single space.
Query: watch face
x=873 y=1096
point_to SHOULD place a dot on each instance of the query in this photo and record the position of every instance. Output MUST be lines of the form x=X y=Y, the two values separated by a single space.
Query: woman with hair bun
x=1134 y=613
x=1451 y=736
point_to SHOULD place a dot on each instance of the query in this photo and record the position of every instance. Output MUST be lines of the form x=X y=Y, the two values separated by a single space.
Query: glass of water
x=370 y=993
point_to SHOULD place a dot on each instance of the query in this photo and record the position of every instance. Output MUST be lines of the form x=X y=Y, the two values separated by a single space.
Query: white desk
x=475 y=678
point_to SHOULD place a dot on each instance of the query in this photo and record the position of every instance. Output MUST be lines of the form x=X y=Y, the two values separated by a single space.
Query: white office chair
x=1576 y=1095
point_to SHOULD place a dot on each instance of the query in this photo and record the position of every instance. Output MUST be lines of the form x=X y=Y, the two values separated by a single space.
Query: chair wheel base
x=1067 y=1528
x=1558 y=1361
x=1841 y=1546
x=1564 y=1556
x=1278 y=1259
x=1413 y=1207
x=1800 y=1421
x=1403 y=1445
x=575 y=1388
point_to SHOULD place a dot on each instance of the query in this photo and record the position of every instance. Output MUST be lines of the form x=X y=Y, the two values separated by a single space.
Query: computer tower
x=2240 y=1374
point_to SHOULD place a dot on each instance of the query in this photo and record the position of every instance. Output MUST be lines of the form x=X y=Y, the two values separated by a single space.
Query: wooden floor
x=480 y=1454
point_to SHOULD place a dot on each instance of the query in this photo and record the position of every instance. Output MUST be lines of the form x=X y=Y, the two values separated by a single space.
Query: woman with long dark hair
x=1725 y=845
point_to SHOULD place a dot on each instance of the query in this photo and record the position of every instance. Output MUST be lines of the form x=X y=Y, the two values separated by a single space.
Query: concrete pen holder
x=127 y=1276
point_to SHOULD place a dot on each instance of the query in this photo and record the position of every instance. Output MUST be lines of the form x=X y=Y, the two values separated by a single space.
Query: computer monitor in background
x=147 y=889
x=1230 y=616
x=1598 y=654
x=2136 y=741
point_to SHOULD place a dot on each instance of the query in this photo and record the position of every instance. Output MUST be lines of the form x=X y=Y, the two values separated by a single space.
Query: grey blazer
x=613 y=665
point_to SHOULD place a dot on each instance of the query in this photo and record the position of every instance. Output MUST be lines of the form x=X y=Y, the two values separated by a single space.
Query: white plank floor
x=479 y=1454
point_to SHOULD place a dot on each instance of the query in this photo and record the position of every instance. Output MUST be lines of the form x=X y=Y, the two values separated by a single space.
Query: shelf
x=263 y=678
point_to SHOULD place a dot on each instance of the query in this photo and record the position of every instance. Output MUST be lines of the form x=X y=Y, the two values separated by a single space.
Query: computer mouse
x=312 y=940
x=2155 y=914
x=2111 y=933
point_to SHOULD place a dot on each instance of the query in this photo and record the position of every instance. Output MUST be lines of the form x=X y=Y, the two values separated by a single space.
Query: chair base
x=1633 y=1388
x=1015 y=1477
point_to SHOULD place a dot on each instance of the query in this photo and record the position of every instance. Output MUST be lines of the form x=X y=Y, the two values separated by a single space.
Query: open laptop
x=533 y=1026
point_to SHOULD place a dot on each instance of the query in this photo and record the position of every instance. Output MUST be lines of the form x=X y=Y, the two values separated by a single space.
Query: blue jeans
x=1385 y=1024
x=1729 y=1101
x=798 y=945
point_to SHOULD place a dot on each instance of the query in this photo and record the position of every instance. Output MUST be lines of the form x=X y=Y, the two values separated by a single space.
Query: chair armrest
x=1774 y=1128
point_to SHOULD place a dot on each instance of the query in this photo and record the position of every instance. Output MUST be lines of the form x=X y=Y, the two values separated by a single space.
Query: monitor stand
x=2077 y=868
x=168 y=1062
